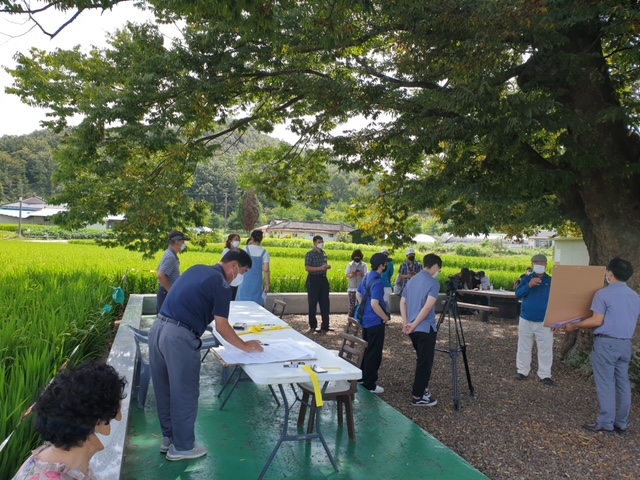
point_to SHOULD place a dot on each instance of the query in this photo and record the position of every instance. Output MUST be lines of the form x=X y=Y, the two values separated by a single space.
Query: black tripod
x=456 y=345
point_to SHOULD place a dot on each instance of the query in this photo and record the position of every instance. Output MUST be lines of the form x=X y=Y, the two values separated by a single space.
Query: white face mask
x=539 y=269
x=320 y=245
x=235 y=243
x=183 y=247
x=238 y=280
x=107 y=440
x=435 y=275
x=607 y=277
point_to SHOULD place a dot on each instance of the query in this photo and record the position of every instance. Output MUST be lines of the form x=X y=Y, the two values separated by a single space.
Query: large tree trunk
x=605 y=202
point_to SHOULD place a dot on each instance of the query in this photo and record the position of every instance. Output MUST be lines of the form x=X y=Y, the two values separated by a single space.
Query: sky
x=89 y=29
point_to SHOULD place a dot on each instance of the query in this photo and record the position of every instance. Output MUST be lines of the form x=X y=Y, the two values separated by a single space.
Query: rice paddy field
x=56 y=304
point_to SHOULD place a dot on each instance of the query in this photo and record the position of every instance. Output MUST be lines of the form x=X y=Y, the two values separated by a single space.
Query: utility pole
x=20 y=220
x=226 y=198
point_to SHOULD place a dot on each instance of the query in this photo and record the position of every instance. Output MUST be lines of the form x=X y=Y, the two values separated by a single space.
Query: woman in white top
x=356 y=271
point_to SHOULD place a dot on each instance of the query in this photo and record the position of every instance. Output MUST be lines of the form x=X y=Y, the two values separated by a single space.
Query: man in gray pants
x=615 y=314
x=200 y=295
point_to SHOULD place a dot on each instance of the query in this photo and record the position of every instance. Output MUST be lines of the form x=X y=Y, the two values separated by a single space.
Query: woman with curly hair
x=75 y=416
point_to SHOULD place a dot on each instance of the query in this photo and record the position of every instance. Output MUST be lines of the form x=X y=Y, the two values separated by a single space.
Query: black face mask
x=357 y=260
x=384 y=268
x=411 y=258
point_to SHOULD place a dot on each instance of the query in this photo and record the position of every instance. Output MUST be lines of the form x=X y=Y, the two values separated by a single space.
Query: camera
x=454 y=284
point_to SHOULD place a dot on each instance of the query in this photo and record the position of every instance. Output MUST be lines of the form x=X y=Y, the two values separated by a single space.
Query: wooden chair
x=353 y=327
x=278 y=308
x=341 y=391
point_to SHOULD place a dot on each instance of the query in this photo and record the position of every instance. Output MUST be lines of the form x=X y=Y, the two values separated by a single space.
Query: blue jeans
x=611 y=359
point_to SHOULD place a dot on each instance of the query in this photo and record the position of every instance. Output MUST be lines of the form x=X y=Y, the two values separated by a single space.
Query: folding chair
x=278 y=308
x=341 y=391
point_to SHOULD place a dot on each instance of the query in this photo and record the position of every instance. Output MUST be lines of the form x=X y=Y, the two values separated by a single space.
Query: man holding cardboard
x=534 y=291
x=615 y=315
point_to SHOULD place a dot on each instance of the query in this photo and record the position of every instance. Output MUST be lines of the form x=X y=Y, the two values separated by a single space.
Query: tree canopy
x=493 y=114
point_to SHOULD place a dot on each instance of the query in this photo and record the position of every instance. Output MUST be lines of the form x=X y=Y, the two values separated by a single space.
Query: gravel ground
x=512 y=429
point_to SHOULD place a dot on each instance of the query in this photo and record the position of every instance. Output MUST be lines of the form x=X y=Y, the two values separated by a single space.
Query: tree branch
x=402 y=83
x=246 y=121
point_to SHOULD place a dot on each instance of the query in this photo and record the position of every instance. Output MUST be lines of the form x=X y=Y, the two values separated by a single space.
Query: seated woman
x=75 y=416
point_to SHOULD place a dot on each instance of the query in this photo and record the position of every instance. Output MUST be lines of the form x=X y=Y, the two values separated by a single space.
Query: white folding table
x=277 y=374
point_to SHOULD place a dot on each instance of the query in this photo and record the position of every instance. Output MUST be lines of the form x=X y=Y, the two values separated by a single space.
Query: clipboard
x=572 y=291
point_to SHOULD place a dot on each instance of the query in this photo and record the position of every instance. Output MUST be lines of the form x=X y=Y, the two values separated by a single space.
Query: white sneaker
x=196 y=452
x=164 y=446
x=378 y=389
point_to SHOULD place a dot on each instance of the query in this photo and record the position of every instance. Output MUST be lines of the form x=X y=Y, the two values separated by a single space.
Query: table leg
x=285 y=437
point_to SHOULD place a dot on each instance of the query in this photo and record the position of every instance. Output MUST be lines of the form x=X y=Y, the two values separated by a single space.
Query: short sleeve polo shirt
x=200 y=293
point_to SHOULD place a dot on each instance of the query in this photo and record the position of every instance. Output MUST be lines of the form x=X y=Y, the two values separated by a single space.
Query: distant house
x=543 y=239
x=35 y=211
x=307 y=230
x=474 y=239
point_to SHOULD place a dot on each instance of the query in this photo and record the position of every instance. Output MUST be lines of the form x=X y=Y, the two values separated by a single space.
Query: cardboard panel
x=572 y=290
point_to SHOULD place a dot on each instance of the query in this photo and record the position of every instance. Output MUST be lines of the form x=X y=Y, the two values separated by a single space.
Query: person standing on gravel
x=418 y=310
x=317 y=263
x=534 y=292
x=615 y=315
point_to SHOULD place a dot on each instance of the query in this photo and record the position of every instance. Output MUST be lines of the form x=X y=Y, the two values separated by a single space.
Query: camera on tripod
x=454 y=284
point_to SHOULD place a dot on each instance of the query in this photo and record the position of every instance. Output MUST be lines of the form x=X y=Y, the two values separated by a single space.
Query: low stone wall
x=107 y=464
x=297 y=302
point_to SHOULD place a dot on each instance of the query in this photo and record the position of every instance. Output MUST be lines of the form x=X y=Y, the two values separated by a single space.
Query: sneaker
x=597 y=428
x=520 y=376
x=547 y=381
x=196 y=452
x=619 y=431
x=164 y=446
x=378 y=389
x=425 y=401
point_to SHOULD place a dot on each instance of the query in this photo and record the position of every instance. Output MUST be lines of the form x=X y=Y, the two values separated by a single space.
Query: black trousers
x=160 y=296
x=318 y=293
x=425 y=347
x=374 y=336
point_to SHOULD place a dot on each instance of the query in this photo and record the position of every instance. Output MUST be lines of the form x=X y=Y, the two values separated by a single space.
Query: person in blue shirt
x=374 y=319
x=534 y=292
x=615 y=310
x=199 y=296
x=418 y=310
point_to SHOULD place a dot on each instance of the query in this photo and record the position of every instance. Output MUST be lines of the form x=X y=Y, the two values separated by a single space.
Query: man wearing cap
x=387 y=276
x=316 y=263
x=534 y=292
x=374 y=318
x=169 y=269
x=408 y=270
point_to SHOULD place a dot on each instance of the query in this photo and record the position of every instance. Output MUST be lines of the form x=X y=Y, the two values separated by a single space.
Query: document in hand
x=276 y=351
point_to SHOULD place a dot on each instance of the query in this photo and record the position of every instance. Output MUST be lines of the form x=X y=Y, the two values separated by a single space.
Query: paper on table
x=276 y=351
